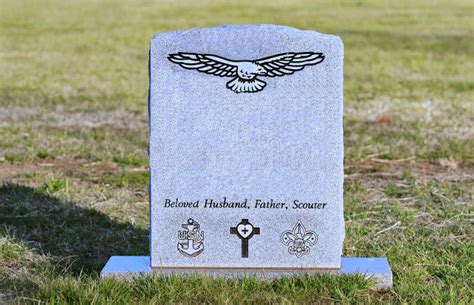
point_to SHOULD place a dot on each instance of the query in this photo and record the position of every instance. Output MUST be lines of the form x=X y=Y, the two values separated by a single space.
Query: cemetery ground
x=73 y=142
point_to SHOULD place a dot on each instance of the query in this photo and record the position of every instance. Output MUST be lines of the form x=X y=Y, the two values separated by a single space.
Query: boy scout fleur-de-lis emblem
x=299 y=240
x=245 y=73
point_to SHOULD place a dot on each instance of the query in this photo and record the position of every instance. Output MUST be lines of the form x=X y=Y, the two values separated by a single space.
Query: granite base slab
x=127 y=267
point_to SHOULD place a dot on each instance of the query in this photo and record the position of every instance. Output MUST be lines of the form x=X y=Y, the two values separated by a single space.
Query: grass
x=73 y=140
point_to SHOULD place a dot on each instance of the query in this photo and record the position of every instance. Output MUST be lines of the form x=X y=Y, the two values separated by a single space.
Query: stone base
x=129 y=266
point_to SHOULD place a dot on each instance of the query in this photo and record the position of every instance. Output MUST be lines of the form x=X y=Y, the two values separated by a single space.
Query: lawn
x=73 y=140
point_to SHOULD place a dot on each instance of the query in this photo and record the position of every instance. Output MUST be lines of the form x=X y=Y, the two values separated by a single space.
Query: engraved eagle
x=245 y=73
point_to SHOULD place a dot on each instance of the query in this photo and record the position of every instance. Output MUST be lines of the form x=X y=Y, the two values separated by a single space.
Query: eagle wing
x=207 y=63
x=288 y=63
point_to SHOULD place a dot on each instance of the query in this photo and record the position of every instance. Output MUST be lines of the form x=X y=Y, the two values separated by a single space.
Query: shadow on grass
x=85 y=238
x=80 y=238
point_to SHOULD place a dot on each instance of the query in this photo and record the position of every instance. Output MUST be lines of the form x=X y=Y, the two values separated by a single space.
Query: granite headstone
x=246 y=148
x=246 y=156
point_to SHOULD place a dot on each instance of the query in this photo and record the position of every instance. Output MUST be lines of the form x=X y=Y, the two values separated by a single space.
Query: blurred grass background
x=73 y=138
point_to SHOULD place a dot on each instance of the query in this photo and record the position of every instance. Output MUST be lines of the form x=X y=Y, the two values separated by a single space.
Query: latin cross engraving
x=245 y=231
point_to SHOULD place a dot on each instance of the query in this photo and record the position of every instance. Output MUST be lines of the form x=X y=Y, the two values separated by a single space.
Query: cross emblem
x=245 y=231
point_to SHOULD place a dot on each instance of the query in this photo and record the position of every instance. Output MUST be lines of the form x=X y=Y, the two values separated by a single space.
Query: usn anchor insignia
x=299 y=240
x=191 y=240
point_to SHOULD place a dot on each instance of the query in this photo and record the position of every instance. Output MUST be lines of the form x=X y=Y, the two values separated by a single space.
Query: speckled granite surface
x=246 y=148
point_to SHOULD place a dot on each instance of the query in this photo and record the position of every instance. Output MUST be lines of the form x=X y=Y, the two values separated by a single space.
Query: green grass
x=73 y=140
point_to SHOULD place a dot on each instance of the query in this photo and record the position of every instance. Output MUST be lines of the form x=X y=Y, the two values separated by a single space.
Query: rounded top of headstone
x=266 y=29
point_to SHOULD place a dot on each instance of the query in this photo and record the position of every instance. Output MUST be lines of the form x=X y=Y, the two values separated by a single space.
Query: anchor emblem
x=191 y=240
x=299 y=240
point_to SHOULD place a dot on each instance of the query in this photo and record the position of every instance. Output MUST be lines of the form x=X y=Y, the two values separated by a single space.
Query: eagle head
x=260 y=70
x=249 y=70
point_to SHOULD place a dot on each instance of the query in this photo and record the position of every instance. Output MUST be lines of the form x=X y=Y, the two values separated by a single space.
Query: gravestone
x=246 y=148
x=246 y=152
